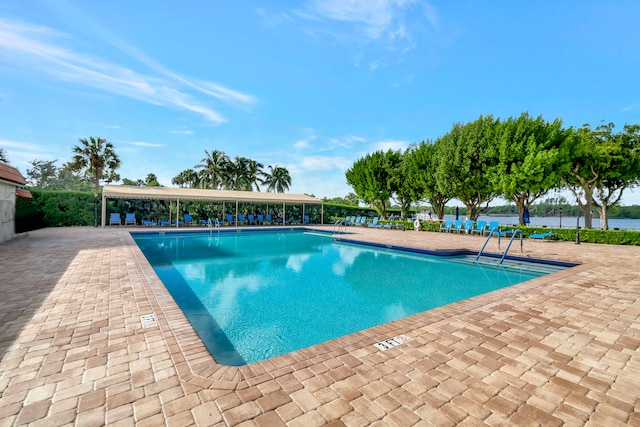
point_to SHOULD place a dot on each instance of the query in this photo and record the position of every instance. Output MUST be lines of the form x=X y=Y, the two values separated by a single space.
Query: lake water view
x=554 y=221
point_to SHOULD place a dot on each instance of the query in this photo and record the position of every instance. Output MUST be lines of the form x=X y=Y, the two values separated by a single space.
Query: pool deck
x=560 y=349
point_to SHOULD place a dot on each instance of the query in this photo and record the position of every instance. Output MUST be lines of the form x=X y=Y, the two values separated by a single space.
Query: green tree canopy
x=277 y=179
x=532 y=157
x=466 y=155
x=424 y=160
x=371 y=179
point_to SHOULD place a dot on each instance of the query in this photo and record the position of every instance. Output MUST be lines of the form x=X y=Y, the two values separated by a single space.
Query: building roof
x=11 y=174
x=170 y=193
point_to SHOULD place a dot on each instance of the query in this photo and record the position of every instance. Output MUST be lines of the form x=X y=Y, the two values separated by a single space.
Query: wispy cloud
x=391 y=145
x=145 y=144
x=388 y=20
x=325 y=162
x=181 y=132
x=45 y=53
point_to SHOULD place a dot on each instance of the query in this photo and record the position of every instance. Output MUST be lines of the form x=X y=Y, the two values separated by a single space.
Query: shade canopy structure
x=177 y=194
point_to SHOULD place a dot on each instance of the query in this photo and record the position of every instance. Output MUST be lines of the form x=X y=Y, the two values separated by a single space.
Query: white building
x=11 y=183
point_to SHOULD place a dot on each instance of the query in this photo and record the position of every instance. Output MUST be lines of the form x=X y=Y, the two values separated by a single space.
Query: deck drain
x=148 y=320
x=392 y=342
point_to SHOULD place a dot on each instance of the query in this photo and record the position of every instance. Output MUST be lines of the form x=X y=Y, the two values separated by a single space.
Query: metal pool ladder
x=339 y=227
x=504 y=255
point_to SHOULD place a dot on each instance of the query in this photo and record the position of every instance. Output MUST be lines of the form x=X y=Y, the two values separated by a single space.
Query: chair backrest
x=187 y=218
x=306 y=219
x=115 y=217
x=251 y=217
x=229 y=218
x=260 y=217
x=375 y=220
x=469 y=225
x=131 y=217
x=493 y=225
x=458 y=224
x=241 y=217
x=448 y=223
x=481 y=225
x=269 y=219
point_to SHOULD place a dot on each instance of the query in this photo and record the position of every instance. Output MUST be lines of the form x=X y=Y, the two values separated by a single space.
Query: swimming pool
x=253 y=295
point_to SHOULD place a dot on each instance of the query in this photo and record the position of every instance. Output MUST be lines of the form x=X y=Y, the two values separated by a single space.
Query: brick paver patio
x=558 y=350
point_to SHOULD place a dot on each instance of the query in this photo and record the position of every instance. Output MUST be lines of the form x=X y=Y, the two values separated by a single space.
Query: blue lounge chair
x=180 y=222
x=115 y=219
x=446 y=227
x=130 y=218
x=374 y=223
x=241 y=220
x=295 y=221
x=230 y=220
x=260 y=219
x=346 y=221
x=148 y=223
x=251 y=219
x=494 y=227
x=543 y=236
x=164 y=223
x=458 y=226
x=305 y=220
x=187 y=219
x=480 y=228
x=268 y=219
x=468 y=226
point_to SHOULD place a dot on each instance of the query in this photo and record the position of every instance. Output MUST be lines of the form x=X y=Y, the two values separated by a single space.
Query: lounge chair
x=446 y=227
x=480 y=228
x=180 y=222
x=268 y=219
x=115 y=219
x=148 y=223
x=543 y=236
x=251 y=219
x=260 y=219
x=468 y=226
x=295 y=221
x=346 y=221
x=164 y=223
x=374 y=223
x=305 y=220
x=187 y=219
x=458 y=226
x=494 y=228
x=130 y=218
x=230 y=220
x=241 y=220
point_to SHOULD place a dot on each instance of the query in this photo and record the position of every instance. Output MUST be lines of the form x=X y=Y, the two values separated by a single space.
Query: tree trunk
x=604 y=217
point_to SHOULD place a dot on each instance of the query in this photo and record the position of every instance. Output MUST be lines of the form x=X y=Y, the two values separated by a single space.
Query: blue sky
x=308 y=85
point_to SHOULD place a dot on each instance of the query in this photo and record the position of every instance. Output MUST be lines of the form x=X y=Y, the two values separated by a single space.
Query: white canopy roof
x=168 y=193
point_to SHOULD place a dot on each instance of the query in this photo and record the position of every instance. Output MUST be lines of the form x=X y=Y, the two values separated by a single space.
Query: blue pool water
x=255 y=295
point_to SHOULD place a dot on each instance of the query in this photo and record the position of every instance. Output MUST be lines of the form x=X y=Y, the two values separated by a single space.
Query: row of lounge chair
x=130 y=219
x=363 y=221
x=471 y=227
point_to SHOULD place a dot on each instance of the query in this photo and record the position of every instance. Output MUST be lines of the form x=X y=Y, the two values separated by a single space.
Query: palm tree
x=97 y=157
x=3 y=156
x=238 y=175
x=277 y=179
x=187 y=178
x=213 y=169
x=256 y=173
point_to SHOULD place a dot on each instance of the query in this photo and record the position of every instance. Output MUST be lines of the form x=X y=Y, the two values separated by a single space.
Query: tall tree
x=42 y=174
x=605 y=164
x=371 y=178
x=422 y=173
x=188 y=178
x=256 y=173
x=97 y=157
x=465 y=158
x=213 y=169
x=403 y=190
x=533 y=155
x=277 y=179
x=238 y=175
